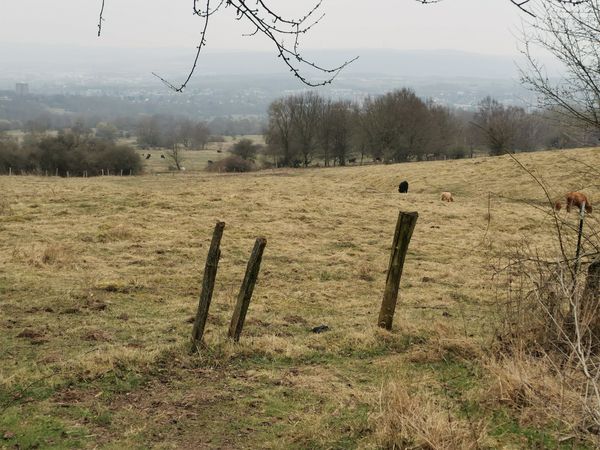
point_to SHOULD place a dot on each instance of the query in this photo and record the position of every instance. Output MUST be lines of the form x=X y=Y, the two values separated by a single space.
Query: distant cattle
x=210 y=162
x=377 y=160
x=403 y=187
x=148 y=156
x=219 y=151
x=352 y=160
x=162 y=156
x=447 y=197
x=575 y=199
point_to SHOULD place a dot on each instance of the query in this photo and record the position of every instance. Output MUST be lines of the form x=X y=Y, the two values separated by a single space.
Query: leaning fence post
x=208 y=284
x=404 y=229
x=245 y=295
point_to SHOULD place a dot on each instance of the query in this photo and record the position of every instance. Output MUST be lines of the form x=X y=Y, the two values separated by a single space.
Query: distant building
x=22 y=88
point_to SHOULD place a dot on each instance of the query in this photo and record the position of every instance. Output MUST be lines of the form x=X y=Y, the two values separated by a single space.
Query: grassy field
x=194 y=160
x=99 y=279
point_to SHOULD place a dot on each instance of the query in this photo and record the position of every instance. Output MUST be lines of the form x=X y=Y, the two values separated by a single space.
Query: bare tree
x=278 y=135
x=306 y=110
x=174 y=151
x=499 y=125
x=341 y=113
x=399 y=125
x=570 y=31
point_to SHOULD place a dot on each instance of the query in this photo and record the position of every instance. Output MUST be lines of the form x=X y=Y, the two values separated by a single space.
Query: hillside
x=99 y=278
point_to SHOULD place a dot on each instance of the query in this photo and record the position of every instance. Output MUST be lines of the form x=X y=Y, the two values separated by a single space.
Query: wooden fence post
x=208 y=284
x=245 y=295
x=404 y=229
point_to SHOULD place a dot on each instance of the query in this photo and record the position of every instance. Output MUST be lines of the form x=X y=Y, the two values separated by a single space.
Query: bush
x=231 y=164
x=245 y=149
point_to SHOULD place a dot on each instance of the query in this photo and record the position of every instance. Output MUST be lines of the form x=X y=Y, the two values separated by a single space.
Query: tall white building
x=22 y=88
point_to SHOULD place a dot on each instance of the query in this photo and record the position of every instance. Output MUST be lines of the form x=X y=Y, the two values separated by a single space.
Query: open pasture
x=99 y=278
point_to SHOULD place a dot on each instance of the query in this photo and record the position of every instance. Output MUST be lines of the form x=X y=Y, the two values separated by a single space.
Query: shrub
x=245 y=149
x=231 y=164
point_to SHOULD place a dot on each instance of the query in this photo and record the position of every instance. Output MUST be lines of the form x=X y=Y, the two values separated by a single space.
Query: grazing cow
x=575 y=199
x=162 y=156
x=447 y=197
x=219 y=151
x=210 y=162
x=377 y=160
x=352 y=160
x=403 y=187
x=148 y=156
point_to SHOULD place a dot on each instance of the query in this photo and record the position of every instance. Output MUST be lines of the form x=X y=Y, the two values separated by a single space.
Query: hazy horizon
x=392 y=24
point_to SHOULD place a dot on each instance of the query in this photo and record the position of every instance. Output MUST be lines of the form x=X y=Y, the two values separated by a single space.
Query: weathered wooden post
x=208 y=284
x=245 y=295
x=404 y=229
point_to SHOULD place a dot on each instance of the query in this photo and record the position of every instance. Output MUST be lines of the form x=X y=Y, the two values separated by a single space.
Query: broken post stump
x=245 y=295
x=404 y=229
x=208 y=285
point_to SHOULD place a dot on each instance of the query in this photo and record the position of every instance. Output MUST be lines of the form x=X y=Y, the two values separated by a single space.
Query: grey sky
x=484 y=26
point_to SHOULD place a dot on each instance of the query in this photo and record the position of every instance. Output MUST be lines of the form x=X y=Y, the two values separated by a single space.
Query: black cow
x=352 y=160
x=148 y=156
x=403 y=187
x=162 y=156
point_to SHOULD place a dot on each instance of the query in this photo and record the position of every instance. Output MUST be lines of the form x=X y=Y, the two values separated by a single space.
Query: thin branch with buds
x=265 y=21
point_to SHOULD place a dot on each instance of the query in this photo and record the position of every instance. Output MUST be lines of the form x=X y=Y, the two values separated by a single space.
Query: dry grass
x=537 y=391
x=105 y=274
x=421 y=421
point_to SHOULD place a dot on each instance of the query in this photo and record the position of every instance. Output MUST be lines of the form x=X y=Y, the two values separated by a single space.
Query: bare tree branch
x=266 y=21
x=101 y=19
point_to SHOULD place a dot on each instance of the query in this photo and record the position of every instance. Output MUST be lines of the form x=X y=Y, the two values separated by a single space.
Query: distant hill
x=415 y=63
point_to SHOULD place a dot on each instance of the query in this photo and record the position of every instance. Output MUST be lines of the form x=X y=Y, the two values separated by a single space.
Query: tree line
x=399 y=126
x=67 y=153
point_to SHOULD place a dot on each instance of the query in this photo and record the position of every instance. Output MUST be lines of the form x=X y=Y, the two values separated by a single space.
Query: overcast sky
x=483 y=26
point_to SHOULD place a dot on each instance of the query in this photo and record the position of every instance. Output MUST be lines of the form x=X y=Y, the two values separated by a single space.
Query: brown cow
x=447 y=197
x=575 y=199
